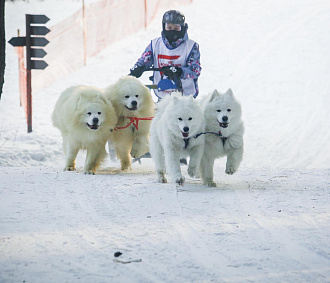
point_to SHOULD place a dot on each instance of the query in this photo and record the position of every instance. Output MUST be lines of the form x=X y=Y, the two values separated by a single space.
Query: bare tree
x=2 y=45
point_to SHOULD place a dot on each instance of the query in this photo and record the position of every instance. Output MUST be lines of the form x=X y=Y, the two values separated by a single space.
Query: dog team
x=176 y=127
x=125 y=115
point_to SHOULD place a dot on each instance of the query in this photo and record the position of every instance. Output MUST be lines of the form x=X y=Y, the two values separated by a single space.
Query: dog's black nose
x=186 y=129
x=134 y=103
x=224 y=118
x=95 y=120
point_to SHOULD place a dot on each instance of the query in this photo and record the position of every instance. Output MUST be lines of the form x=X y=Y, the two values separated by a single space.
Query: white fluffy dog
x=135 y=109
x=85 y=118
x=177 y=121
x=224 y=134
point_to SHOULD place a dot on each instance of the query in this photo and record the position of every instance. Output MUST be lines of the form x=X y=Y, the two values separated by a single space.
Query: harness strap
x=134 y=121
x=218 y=134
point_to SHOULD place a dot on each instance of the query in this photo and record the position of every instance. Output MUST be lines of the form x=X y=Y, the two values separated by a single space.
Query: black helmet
x=173 y=17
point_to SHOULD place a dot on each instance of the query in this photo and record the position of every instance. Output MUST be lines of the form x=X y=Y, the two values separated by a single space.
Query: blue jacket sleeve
x=193 y=68
x=147 y=58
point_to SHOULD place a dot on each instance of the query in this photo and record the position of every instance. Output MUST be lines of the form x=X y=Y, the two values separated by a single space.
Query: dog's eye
x=189 y=118
x=89 y=113
x=218 y=110
x=180 y=119
x=126 y=96
x=137 y=95
x=99 y=113
x=228 y=110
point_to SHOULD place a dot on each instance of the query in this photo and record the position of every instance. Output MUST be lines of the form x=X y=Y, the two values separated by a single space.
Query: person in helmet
x=174 y=53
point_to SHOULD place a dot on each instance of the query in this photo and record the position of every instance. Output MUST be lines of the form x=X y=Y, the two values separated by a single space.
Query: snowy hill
x=270 y=222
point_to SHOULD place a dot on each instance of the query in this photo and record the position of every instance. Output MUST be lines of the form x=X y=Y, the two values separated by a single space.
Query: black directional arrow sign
x=38 y=41
x=37 y=53
x=38 y=19
x=38 y=64
x=34 y=41
x=17 y=41
x=39 y=30
x=34 y=37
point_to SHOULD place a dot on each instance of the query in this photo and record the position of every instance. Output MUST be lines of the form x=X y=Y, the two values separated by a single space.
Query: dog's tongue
x=185 y=135
x=223 y=125
x=93 y=127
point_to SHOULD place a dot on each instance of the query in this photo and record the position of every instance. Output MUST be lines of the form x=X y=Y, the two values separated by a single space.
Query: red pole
x=19 y=70
x=28 y=76
x=28 y=100
x=145 y=14
x=84 y=32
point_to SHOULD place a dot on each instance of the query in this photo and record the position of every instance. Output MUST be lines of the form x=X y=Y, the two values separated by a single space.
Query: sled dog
x=135 y=109
x=224 y=128
x=177 y=121
x=85 y=118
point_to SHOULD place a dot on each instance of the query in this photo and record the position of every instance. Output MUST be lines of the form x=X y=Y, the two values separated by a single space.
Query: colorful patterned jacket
x=192 y=69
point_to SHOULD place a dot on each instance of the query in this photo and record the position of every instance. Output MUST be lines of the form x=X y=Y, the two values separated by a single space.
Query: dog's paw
x=162 y=179
x=126 y=167
x=69 y=168
x=89 y=172
x=209 y=182
x=192 y=172
x=136 y=153
x=230 y=170
x=212 y=184
x=138 y=150
x=180 y=180
x=125 y=164
x=161 y=176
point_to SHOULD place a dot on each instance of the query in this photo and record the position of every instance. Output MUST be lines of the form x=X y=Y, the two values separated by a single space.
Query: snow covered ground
x=270 y=222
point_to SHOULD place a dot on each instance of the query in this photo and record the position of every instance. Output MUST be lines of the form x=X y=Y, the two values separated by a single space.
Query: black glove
x=137 y=71
x=172 y=71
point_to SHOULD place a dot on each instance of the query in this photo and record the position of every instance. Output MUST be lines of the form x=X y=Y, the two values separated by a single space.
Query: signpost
x=35 y=32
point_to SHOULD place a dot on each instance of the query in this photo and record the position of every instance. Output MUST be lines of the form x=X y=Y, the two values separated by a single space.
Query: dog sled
x=169 y=84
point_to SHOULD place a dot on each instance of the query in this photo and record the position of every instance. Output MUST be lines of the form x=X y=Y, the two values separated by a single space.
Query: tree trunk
x=2 y=45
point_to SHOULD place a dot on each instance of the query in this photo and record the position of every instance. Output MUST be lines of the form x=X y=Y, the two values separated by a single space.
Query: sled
x=164 y=84
x=173 y=84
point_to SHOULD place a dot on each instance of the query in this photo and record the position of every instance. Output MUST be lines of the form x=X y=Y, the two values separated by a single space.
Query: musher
x=174 y=53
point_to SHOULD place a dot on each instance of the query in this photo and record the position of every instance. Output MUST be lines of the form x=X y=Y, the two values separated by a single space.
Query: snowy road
x=248 y=229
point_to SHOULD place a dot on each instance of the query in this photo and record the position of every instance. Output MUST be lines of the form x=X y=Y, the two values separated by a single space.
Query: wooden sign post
x=35 y=32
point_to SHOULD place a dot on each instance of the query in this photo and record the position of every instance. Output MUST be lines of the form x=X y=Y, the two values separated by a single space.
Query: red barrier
x=21 y=76
x=90 y=30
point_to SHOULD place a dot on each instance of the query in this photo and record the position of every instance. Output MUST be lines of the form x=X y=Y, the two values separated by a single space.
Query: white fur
x=216 y=108
x=130 y=98
x=85 y=118
x=174 y=116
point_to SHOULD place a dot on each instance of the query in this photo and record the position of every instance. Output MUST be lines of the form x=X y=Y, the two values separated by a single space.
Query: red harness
x=134 y=121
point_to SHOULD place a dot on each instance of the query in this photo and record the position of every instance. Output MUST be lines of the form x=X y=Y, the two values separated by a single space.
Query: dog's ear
x=81 y=100
x=102 y=98
x=229 y=92
x=175 y=99
x=83 y=95
x=214 y=95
